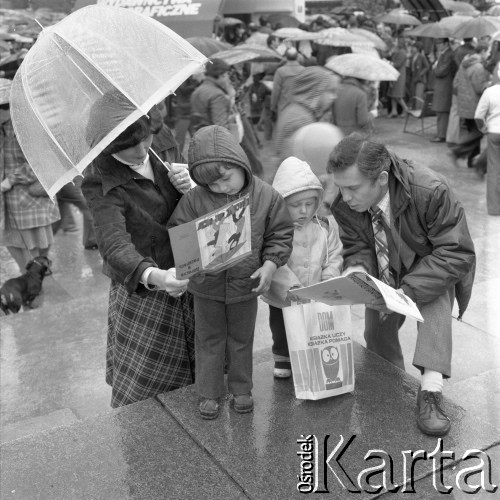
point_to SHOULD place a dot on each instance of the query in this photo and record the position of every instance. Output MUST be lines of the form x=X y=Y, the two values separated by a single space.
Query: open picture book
x=213 y=242
x=359 y=288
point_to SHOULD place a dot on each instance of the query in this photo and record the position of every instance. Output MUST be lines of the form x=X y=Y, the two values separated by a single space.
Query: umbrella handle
x=158 y=158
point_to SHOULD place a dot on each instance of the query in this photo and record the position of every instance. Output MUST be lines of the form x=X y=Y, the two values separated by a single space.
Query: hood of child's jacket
x=216 y=144
x=294 y=176
x=307 y=86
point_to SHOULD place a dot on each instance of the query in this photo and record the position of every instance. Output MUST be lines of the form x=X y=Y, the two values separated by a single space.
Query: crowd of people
x=399 y=222
x=444 y=74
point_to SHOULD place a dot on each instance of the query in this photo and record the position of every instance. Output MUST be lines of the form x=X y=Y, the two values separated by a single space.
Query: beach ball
x=314 y=143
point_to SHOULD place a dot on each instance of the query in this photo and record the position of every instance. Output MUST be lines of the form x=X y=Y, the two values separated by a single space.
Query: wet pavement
x=62 y=440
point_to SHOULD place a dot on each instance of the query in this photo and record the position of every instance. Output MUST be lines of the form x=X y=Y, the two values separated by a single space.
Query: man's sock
x=432 y=381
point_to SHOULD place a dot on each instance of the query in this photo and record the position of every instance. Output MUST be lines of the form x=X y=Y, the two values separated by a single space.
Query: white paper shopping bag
x=320 y=345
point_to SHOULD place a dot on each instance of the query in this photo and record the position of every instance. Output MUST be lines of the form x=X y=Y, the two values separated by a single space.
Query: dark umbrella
x=345 y=10
x=399 y=17
x=284 y=20
x=230 y=21
x=207 y=46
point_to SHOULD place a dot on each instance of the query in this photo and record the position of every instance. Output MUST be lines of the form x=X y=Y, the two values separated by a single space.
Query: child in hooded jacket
x=316 y=254
x=225 y=303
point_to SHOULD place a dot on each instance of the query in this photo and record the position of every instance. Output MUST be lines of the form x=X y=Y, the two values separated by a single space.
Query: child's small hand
x=265 y=275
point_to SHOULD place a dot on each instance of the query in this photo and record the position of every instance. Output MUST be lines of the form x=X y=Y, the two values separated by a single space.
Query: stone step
x=152 y=451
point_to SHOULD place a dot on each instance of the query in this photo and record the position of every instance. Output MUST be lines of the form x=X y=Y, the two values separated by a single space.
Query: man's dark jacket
x=433 y=250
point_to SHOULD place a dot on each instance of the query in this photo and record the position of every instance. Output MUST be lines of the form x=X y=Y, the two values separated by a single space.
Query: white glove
x=166 y=280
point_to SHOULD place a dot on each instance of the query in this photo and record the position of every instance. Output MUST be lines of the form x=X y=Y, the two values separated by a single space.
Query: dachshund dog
x=21 y=291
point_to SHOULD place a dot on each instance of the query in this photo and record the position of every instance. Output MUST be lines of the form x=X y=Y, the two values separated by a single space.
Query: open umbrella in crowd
x=367 y=43
x=363 y=67
x=86 y=80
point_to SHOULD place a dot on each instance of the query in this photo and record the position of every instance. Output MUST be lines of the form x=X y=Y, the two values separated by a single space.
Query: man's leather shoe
x=438 y=139
x=431 y=418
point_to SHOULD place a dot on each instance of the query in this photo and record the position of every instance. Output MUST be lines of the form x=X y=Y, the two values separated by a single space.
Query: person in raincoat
x=350 y=109
x=316 y=254
x=424 y=249
x=131 y=195
x=26 y=211
x=311 y=94
x=225 y=302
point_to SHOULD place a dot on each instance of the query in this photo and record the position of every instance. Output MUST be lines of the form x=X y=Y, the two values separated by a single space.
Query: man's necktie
x=381 y=246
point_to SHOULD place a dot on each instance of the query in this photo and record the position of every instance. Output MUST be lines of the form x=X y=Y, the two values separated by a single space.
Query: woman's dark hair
x=137 y=132
x=372 y=158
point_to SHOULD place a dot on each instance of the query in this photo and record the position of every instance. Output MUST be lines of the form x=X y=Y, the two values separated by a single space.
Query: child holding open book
x=316 y=255
x=225 y=303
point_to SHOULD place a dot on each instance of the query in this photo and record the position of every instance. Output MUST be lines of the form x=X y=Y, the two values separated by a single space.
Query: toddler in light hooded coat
x=316 y=254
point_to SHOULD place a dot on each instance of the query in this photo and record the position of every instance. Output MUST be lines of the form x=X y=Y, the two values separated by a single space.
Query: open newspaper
x=214 y=242
x=359 y=288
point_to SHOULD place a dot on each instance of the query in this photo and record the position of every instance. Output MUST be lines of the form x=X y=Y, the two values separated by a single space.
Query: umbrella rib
x=80 y=52
x=73 y=61
x=39 y=117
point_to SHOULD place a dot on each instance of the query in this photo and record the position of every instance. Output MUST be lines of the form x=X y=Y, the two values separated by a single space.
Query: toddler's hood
x=294 y=176
x=216 y=144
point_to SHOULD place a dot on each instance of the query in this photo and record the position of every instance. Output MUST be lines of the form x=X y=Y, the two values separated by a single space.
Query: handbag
x=320 y=346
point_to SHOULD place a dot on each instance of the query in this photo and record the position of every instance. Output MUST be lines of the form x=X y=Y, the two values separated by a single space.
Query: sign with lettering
x=186 y=17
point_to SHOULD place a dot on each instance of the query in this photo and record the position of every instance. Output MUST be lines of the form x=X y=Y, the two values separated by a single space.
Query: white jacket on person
x=317 y=249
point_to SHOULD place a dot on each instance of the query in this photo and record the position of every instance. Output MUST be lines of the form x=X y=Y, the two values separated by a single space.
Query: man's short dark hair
x=372 y=158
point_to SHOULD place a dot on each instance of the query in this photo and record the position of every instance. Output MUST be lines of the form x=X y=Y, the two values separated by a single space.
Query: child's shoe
x=243 y=403
x=209 y=408
x=282 y=369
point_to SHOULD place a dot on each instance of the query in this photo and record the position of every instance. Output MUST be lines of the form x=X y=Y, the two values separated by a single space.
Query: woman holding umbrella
x=150 y=344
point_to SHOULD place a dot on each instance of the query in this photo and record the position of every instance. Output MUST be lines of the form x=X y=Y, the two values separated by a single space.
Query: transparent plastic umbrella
x=295 y=34
x=362 y=66
x=372 y=37
x=340 y=37
x=477 y=27
x=398 y=17
x=86 y=79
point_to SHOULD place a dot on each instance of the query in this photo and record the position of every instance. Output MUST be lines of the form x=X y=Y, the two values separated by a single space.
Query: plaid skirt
x=150 y=344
